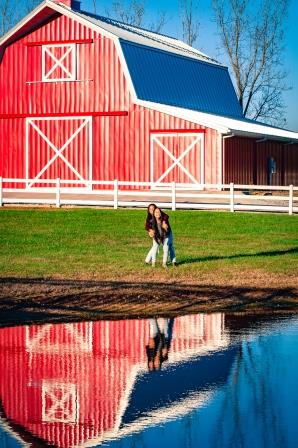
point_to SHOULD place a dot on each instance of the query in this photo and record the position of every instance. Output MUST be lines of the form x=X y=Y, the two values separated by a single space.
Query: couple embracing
x=159 y=229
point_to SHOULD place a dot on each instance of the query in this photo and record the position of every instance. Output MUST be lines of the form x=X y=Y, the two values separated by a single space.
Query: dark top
x=149 y=221
x=159 y=233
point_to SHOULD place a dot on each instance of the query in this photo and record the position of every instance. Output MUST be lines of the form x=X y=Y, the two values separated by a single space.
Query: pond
x=205 y=380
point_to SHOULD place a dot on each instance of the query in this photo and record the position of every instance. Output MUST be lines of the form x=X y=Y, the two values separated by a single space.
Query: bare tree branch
x=132 y=13
x=190 y=22
x=12 y=11
x=252 y=37
x=159 y=23
x=7 y=15
x=94 y=6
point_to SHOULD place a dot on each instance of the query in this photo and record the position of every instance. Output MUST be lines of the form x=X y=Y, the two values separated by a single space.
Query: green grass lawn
x=108 y=244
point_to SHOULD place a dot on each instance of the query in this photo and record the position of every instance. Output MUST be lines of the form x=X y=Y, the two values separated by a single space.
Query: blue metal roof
x=167 y=78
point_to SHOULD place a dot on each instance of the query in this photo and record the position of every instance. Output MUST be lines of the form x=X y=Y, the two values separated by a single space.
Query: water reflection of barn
x=68 y=384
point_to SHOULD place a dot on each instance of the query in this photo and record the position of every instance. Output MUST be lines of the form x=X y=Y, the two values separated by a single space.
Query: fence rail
x=118 y=193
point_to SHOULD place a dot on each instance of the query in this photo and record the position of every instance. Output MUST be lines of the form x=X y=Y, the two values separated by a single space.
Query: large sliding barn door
x=177 y=157
x=59 y=147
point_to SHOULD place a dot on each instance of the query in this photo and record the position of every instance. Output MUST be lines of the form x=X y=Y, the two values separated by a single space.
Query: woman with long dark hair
x=162 y=235
x=149 y=229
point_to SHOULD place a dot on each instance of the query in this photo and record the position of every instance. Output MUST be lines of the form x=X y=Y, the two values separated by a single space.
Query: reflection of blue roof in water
x=155 y=390
x=8 y=440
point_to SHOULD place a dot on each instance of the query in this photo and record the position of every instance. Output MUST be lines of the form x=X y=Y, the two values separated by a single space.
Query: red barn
x=87 y=98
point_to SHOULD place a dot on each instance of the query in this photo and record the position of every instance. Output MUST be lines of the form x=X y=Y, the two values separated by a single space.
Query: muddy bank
x=47 y=300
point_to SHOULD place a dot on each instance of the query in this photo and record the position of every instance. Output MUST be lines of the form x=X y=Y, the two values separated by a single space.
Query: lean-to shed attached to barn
x=87 y=98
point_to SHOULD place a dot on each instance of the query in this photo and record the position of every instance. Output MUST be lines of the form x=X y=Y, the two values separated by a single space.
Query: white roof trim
x=224 y=125
x=126 y=72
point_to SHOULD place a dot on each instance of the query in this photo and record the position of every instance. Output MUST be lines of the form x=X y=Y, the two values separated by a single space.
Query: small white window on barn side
x=59 y=62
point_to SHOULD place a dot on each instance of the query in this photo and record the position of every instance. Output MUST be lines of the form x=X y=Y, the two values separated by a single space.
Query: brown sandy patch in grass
x=226 y=277
x=42 y=300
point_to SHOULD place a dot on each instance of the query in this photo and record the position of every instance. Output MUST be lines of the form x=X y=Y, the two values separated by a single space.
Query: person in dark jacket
x=162 y=235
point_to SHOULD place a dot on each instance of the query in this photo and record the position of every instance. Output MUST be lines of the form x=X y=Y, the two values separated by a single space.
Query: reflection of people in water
x=161 y=330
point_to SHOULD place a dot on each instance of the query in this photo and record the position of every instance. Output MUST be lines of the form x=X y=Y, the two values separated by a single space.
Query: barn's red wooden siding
x=121 y=145
x=246 y=161
x=291 y=164
x=238 y=157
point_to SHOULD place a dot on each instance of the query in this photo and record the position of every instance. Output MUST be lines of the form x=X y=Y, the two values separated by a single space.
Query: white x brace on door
x=178 y=157
x=65 y=338
x=60 y=402
x=59 y=147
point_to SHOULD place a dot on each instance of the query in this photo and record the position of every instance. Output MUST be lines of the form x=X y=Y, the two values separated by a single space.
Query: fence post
x=232 y=197
x=291 y=200
x=173 y=195
x=115 y=194
x=1 y=191
x=58 y=198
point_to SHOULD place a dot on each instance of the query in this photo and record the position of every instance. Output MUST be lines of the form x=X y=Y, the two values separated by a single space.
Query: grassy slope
x=107 y=244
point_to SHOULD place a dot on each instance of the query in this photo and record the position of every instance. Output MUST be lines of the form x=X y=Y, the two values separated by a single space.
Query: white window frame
x=155 y=144
x=46 y=50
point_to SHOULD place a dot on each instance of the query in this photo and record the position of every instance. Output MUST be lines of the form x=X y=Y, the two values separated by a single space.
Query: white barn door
x=59 y=147
x=177 y=157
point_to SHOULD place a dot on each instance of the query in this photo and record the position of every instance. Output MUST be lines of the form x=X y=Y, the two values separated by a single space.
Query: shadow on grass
x=272 y=253
x=34 y=300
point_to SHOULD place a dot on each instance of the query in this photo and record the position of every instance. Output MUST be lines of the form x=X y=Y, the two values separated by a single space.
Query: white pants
x=159 y=325
x=149 y=255
x=168 y=248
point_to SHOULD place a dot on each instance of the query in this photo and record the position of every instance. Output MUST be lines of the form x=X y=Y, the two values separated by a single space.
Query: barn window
x=59 y=62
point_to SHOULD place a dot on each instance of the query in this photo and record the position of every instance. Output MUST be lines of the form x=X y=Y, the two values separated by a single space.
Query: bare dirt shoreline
x=25 y=300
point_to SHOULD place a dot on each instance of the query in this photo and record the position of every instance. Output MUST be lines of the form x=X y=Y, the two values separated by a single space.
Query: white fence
x=117 y=194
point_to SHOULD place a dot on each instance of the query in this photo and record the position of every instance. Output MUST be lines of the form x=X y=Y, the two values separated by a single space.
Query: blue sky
x=208 y=40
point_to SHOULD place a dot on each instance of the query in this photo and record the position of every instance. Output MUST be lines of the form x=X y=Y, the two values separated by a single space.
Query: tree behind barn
x=252 y=35
x=11 y=11
x=189 y=21
x=7 y=15
x=134 y=13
